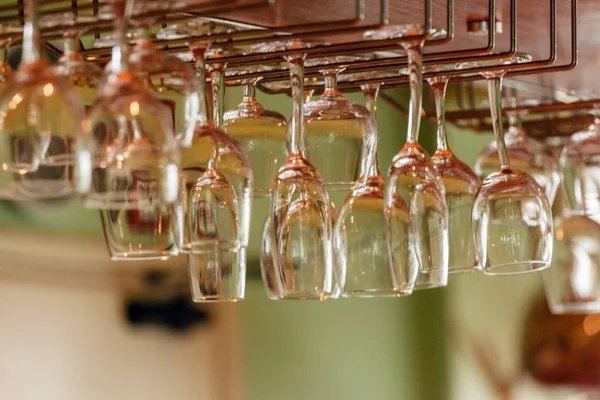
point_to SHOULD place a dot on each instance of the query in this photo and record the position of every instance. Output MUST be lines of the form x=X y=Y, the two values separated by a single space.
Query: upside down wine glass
x=300 y=208
x=360 y=245
x=580 y=168
x=267 y=257
x=135 y=233
x=218 y=193
x=336 y=128
x=37 y=108
x=260 y=131
x=417 y=233
x=82 y=77
x=525 y=153
x=512 y=218
x=460 y=184
x=572 y=284
x=128 y=157
x=216 y=190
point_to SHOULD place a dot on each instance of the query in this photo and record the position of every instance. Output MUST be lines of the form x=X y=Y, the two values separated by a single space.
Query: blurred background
x=77 y=326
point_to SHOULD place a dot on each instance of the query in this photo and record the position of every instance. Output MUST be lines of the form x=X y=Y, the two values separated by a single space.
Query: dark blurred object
x=562 y=349
x=177 y=314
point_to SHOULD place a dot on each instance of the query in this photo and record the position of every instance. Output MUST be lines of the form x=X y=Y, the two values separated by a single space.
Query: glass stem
x=495 y=98
x=200 y=65
x=369 y=165
x=120 y=52
x=415 y=76
x=295 y=142
x=439 y=93
x=330 y=82
x=71 y=47
x=218 y=95
x=249 y=93
x=31 y=35
x=308 y=94
x=202 y=119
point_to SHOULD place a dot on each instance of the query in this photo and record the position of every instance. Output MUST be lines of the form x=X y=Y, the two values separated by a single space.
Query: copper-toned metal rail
x=260 y=35
x=429 y=59
x=530 y=109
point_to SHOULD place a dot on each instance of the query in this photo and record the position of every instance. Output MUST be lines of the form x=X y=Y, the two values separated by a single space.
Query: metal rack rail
x=164 y=15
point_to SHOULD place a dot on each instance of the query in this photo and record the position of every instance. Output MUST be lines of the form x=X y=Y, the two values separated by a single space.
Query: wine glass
x=572 y=284
x=40 y=116
x=525 y=153
x=417 y=242
x=217 y=200
x=81 y=74
x=271 y=279
x=172 y=80
x=335 y=122
x=359 y=235
x=580 y=169
x=460 y=183
x=153 y=232
x=54 y=179
x=512 y=218
x=268 y=270
x=217 y=80
x=300 y=209
x=129 y=156
x=143 y=233
x=260 y=131
x=5 y=68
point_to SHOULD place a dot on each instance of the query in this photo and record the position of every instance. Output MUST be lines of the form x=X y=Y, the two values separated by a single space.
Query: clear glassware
x=52 y=180
x=525 y=153
x=572 y=284
x=214 y=278
x=580 y=168
x=268 y=270
x=417 y=242
x=173 y=81
x=45 y=137
x=260 y=131
x=300 y=207
x=5 y=69
x=128 y=157
x=269 y=273
x=148 y=233
x=334 y=122
x=217 y=201
x=217 y=80
x=128 y=127
x=359 y=234
x=154 y=232
x=512 y=218
x=461 y=185
x=81 y=74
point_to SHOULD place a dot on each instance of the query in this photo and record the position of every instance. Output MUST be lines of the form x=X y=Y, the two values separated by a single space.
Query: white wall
x=68 y=343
